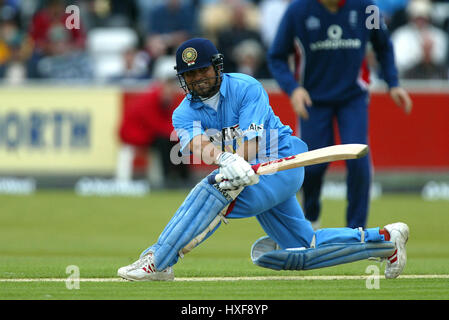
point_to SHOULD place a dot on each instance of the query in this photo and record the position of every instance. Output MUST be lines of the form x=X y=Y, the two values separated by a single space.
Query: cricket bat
x=322 y=155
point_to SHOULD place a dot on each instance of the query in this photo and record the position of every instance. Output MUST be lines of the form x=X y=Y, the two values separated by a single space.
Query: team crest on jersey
x=313 y=23
x=189 y=56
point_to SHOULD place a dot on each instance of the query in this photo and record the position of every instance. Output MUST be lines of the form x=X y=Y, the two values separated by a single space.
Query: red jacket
x=145 y=118
x=42 y=23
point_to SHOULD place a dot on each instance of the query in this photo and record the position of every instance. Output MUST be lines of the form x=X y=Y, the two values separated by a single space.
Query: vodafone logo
x=334 y=32
x=335 y=40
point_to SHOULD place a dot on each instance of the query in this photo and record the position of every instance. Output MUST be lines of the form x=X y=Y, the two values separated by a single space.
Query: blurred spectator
x=174 y=22
x=156 y=48
x=213 y=17
x=169 y=24
x=10 y=8
x=146 y=7
x=389 y=7
x=53 y=16
x=15 y=47
x=420 y=48
x=63 y=60
x=27 y=10
x=135 y=67
x=146 y=125
x=271 y=11
x=241 y=28
x=249 y=56
x=217 y=15
x=393 y=12
x=111 y=13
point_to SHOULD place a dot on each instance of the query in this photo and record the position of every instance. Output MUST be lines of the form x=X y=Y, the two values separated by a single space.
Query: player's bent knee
x=193 y=217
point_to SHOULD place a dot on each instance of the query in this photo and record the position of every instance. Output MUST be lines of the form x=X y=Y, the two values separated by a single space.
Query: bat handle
x=217 y=178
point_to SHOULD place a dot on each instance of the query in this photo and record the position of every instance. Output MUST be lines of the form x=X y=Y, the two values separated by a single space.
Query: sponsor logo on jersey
x=335 y=41
x=231 y=134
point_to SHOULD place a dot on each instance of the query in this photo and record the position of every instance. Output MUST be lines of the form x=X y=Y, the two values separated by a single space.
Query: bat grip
x=217 y=178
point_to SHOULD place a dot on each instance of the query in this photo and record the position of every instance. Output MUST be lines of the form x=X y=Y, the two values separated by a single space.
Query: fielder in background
x=226 y=120
x=328 y=39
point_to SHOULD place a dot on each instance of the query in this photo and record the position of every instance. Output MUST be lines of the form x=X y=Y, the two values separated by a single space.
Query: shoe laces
x=391 y=259
x=146 y=263
x=380 y=260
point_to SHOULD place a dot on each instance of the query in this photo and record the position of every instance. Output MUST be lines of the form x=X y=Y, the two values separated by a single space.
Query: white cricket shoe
x=398 y=235
x=144 y=270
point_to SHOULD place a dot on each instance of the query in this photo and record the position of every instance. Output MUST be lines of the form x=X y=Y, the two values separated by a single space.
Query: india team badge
x=189 y=56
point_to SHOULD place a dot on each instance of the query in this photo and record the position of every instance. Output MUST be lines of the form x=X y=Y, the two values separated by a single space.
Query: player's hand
x=300 y=100
x=401 y=99
x=237 y=172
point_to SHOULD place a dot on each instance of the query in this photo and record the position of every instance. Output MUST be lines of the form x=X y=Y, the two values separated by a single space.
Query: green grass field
x=41 y=235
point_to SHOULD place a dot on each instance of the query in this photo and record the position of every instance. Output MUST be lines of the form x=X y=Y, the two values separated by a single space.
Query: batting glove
x=236 y=171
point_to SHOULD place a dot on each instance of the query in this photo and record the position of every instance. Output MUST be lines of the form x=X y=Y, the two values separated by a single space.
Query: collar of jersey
x=341 y=3
x=223 y=86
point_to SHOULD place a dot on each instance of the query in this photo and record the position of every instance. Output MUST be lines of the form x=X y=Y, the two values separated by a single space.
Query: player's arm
x=249 y=149
x=202 y=148
x=205 y=150
x=280 y=50
x=194 y=140
x=277 y=57
x=383 y=47
x=235 y=169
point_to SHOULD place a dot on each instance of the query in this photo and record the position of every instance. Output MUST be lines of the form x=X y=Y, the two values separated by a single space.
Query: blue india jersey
x=243 y=113
x=330 y=48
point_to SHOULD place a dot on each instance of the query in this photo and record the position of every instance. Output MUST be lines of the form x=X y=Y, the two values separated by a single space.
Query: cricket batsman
x=226 y=119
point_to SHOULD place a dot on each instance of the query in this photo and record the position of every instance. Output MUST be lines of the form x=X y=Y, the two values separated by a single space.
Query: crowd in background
x=120 y=41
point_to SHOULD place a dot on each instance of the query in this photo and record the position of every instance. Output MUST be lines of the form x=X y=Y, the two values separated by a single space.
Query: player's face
x=202 y=81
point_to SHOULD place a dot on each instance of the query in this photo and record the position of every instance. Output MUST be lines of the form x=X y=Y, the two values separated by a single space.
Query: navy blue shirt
x=330 y=48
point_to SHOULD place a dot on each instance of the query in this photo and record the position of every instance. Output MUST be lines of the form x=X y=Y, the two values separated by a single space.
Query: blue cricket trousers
x=273 y=202
x=318 y=132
